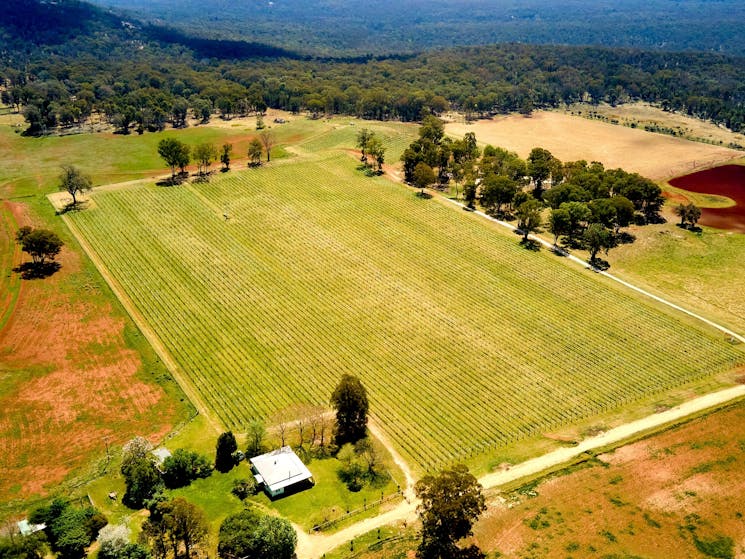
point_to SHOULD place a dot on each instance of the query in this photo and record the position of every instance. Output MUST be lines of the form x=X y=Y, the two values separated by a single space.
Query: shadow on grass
x=72 y=207
x=625 y=238
x=292 y=490
x=691 y=228
x=530 y=244
x=32 y=270
x=599 y=265
x=423 y=195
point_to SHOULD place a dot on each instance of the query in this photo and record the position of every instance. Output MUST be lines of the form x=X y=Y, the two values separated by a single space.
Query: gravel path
x=315 y=545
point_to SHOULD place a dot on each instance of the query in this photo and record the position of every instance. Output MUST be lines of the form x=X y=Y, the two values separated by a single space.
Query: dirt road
x=315 y=545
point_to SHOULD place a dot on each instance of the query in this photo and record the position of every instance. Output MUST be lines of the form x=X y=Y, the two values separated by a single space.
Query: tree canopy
x=74 y=182
x=349 y=400
x=250 y=533
x=224 y=452
x=41 y=244
x=175 y=153
x=451 y=502
x=69 y=529
x=141 y=477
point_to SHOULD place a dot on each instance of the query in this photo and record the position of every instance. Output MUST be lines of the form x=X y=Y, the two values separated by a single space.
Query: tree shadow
x=423 y=195
x=200 y=179
x=599 y=265
x=531 y=245
x=33 y=270
x=72 y=207
x=625 y=238
x=655 y=218
x=691 y=228
x=559 y=251
x=171 y=181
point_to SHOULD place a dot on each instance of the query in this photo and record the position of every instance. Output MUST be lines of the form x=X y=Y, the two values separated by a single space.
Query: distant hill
x=334 y=27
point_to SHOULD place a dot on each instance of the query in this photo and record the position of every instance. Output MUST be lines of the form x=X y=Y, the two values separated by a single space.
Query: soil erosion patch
x=727 y=180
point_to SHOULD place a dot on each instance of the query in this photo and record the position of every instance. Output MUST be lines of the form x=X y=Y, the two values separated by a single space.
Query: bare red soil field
x=654 y=498
x=69 y=381
x=727 y=180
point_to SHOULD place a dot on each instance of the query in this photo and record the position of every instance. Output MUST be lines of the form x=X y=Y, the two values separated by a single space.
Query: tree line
x=587 y=204
x=141 y=84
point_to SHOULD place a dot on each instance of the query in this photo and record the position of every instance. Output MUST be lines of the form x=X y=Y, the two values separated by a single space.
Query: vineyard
x=464 y=340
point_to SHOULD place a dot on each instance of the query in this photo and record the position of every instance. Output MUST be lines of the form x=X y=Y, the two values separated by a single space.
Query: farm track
x=316 y=545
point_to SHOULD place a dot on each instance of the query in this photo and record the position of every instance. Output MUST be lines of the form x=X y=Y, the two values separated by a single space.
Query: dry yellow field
x=571 y=138
x=644 y=114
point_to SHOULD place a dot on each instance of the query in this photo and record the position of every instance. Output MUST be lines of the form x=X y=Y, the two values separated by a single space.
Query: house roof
x=280 y=468
x=161 y=453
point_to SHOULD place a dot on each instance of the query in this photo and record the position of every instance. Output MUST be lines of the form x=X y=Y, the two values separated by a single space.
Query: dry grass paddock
x=572 y=138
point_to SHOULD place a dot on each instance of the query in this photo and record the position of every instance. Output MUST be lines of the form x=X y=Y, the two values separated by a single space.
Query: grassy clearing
x=467 y=343
x=702 y=272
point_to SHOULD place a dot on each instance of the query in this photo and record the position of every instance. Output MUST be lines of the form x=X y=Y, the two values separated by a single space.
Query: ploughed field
x=465 y=341
x=728 y=181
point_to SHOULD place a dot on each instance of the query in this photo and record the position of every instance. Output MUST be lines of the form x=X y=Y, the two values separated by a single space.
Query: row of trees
x=588 y=204
x=371 y=147
x=178 y=155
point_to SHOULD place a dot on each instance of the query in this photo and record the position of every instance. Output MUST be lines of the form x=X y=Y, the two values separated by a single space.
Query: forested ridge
x=61 y=62
x=331 y=27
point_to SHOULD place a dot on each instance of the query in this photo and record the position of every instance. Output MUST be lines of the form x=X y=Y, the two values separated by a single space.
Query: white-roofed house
x=279 y=470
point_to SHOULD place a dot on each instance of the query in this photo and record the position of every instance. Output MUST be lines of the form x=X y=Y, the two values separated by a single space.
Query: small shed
x=280 y=470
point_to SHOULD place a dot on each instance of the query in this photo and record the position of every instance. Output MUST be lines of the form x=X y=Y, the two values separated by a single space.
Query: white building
x=279 y=469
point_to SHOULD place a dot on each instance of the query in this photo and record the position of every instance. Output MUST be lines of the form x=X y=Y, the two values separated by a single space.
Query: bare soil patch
x=649 y=499
x=572 y=138
x=68 y=382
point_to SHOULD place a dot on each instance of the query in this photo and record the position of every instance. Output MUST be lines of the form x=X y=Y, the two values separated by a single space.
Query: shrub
x=184 y=467
x=243 y=488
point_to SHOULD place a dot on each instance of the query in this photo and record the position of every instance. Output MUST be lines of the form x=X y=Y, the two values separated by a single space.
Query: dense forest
x=61 y=62
x=333 y=27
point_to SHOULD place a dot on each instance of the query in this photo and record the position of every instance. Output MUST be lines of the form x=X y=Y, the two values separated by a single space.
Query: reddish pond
x=729 y=181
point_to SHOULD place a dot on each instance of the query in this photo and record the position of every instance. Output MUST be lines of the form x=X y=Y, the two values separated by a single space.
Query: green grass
x=329 y=499
x=31 y=165
x=702 y=272
x=10 y=283
x=465 y=341
x=388 y=541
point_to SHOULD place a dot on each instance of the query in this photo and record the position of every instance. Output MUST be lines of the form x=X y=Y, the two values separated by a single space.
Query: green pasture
x=10 y=282
x=703 y=272
x=466 y=341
